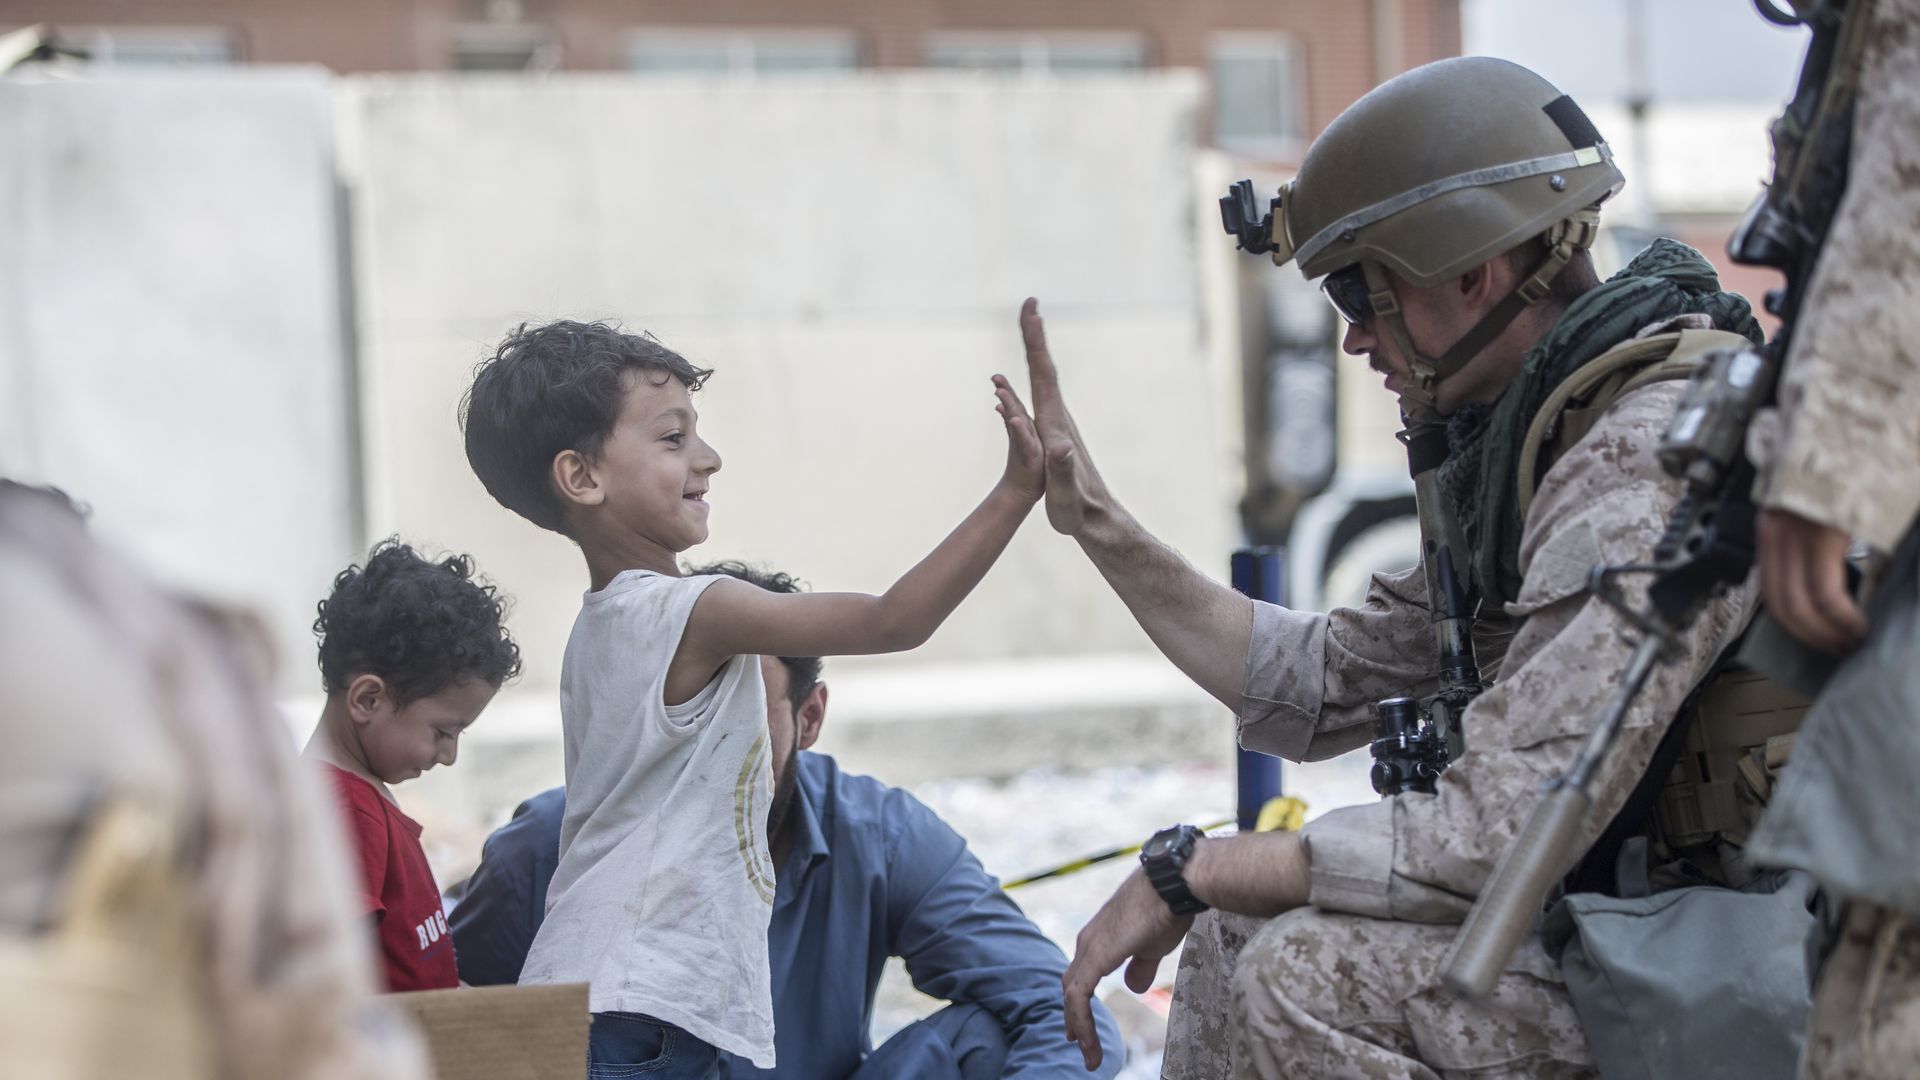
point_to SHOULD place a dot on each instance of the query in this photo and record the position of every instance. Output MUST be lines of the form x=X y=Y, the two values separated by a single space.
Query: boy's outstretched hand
x=1074 y=487
x=1026 y=470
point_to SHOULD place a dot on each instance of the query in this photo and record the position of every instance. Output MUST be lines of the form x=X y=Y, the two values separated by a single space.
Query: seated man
x=865 y=872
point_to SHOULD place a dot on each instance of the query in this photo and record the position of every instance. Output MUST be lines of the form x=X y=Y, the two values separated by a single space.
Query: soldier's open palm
x=1073 y=485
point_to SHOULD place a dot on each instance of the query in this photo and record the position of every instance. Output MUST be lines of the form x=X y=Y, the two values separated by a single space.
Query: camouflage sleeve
x=1850 y=395
x=1311 y=676
x=1424 y=857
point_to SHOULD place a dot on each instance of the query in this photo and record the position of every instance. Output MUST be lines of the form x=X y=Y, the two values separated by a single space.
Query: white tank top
x=664 y=886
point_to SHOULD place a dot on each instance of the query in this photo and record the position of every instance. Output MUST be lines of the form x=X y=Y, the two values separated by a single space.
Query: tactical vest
x=1738 y=725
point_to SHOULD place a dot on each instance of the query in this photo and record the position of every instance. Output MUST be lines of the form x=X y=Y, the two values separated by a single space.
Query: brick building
x=1279 y=69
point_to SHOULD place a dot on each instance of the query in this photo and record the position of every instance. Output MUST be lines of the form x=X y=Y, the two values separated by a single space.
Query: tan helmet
x=1436 y=171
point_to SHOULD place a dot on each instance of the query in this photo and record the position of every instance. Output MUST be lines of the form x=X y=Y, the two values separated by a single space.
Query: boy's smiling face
x=399 y=742
x=651 y=475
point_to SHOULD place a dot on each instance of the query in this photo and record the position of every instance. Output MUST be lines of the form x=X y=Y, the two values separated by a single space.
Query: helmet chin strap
x=1419 y=397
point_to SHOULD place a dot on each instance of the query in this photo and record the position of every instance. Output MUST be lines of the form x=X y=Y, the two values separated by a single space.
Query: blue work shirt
x=871 y=873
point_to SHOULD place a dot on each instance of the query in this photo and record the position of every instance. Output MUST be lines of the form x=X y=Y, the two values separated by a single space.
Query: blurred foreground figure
x=1849 y=465
x=172 y=901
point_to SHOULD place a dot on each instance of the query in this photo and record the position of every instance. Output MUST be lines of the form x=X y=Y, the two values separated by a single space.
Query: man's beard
x=785 y=781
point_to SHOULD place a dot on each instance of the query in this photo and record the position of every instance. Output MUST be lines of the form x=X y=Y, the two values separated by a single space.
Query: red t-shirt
x=397 y=888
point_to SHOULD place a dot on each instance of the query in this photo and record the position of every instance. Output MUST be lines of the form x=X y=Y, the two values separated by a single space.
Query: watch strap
x=1165 y=866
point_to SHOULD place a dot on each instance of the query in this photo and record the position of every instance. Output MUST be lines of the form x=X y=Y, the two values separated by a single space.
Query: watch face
x=1157 y=846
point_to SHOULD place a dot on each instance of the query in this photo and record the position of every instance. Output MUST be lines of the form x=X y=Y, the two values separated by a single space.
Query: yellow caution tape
x=1282 y=813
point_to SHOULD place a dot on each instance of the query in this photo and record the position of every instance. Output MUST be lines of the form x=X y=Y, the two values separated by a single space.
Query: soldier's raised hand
x=1074 y=488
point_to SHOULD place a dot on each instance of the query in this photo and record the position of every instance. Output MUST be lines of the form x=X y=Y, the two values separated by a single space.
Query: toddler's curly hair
x=418 y=624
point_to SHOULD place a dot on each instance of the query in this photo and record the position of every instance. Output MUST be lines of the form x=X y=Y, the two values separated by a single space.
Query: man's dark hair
x=419 y=625
x=803 y=672
x=552 y=388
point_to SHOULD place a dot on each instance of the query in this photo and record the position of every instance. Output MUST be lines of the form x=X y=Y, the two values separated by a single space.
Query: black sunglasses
x=1347 y=288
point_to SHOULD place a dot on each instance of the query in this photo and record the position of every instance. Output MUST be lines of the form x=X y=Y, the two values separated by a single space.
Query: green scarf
x=1478 y=478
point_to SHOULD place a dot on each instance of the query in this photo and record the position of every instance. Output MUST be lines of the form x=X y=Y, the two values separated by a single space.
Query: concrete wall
x=849 y=255
x=172 y=342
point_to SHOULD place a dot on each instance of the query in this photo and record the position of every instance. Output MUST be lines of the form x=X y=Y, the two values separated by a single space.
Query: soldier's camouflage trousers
x=1866 y=1009
x=1316 y=994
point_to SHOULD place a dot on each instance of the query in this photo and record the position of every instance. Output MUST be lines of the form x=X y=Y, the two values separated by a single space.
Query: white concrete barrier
x=172 y=328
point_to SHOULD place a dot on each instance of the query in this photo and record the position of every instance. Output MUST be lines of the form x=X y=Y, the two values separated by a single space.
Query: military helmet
x=1432 y=173
x=1441 y=168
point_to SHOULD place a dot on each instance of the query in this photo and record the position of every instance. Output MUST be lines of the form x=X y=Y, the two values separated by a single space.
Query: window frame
x=1034 y=50
x=100 y=42
x=540 y=43
x=742 y=47
x=1263 y=45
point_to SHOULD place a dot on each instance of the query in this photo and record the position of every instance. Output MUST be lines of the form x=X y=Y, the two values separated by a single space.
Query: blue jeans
x=622 y=1045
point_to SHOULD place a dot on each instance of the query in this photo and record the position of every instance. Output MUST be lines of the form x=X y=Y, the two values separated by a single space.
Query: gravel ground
x=1045 y=817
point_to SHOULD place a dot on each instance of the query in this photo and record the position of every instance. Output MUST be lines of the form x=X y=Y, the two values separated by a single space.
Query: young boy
x=664 y=887
x=410 y=652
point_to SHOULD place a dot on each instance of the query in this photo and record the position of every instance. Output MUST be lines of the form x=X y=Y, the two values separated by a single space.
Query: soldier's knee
x=1285 y=963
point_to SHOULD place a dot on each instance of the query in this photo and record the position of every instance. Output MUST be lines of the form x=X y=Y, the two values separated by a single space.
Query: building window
x=1259 y=94
x=1058 y=54
x=770 y=52
x=485 y=47
x=154 y=46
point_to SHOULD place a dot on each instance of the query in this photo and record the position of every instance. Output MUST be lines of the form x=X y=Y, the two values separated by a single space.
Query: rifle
x=1707 y=546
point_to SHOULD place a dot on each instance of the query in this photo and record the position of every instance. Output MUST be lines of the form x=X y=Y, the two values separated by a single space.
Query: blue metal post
x=1258 y=572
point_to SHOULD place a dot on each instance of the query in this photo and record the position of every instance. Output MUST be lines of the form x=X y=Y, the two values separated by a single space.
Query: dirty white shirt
x=664 y=886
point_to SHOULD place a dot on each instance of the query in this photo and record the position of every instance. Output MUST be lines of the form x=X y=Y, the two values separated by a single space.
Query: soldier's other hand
x=1074 y=487
x=1135 y=926
x=1803 y=581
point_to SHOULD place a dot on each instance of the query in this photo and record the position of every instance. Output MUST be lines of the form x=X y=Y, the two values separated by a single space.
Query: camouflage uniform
x=1850 y=393
x=1850 y=458
x=1866 y=1010
x=1349 y=986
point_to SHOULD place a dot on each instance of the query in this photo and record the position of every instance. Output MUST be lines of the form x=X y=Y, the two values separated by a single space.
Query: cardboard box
x=503 y=1032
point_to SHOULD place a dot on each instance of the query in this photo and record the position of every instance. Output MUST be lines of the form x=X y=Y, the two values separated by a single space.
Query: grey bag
x=1694 y=982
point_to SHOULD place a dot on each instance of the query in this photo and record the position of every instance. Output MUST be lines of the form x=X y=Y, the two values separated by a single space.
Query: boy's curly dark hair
x=803 y=672
x=419 y=625
x=552 y=388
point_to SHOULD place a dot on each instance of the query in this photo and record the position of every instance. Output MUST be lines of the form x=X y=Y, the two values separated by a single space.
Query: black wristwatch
x=1165 y=859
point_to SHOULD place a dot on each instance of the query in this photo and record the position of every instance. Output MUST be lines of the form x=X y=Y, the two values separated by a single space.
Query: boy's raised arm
x=732 y=618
